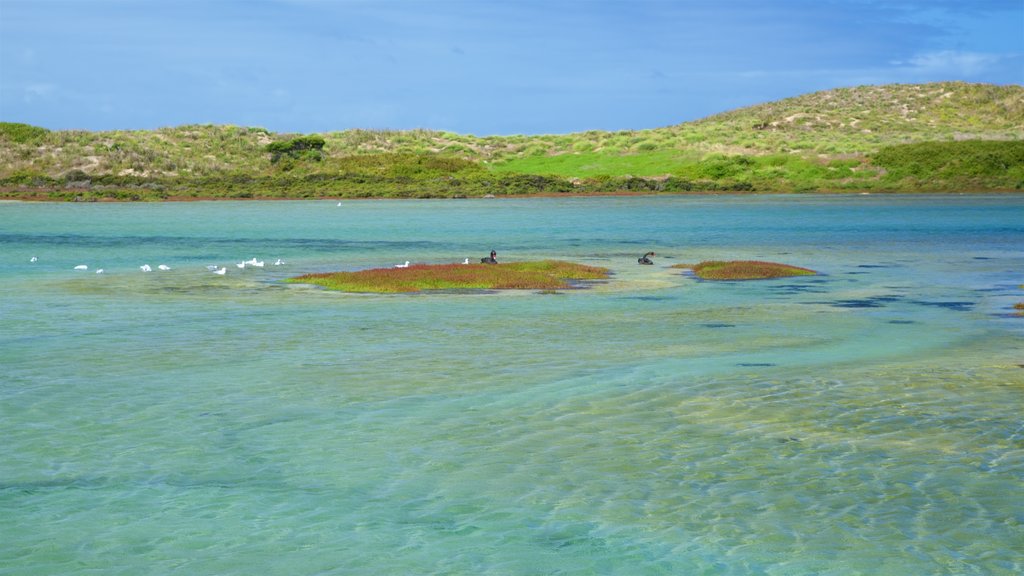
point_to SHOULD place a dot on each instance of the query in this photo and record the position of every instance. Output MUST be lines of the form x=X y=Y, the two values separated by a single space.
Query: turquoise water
x=863 y=421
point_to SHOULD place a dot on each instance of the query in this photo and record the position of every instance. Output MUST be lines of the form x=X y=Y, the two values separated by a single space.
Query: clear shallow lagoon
x=864 y=421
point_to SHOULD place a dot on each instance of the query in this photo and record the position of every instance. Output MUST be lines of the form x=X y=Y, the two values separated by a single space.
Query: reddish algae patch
x=541 y=275
x=745 y=270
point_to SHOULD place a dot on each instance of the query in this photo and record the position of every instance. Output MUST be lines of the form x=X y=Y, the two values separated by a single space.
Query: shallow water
x=863 y=421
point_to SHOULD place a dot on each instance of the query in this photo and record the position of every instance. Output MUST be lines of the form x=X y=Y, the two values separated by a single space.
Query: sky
x=479 y=67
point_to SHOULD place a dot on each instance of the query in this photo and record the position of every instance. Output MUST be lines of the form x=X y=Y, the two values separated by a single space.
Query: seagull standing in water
x=33 y=259
x=164 y=267
x=406 y=265
x=81 y=267
x=222 y=271
x=145 y=268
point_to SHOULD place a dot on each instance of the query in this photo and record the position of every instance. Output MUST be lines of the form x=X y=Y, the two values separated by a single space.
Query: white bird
x=406 y=265
x=33 y=259
x=100 y=271
x=145 y=268
x=257 y=264
x=251 y=261
x=339 y=203
x=81 y=267
x=240 y=264
x=221 y=271
x=164 y=267
x=279 y=262
x=466 y=261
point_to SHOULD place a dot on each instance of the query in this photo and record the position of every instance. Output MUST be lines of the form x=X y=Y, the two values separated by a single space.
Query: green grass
x=540 y=275
x=774 y=172
x=586 y=164
x=744 y=270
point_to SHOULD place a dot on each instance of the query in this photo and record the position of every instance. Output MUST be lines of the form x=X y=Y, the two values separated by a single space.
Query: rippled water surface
x=867 y=420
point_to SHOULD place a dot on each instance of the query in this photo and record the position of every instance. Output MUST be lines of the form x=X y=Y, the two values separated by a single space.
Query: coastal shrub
x=22 y=133
x=718 y=167
x=535 y=150
x=76 y=176
x=951 y=159
x=28 y=178
x=673 y=184
x=303 y=147
x=514 y=184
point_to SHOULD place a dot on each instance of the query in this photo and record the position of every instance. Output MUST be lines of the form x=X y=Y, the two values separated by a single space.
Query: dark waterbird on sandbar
x=490 y=259
x=645 y=259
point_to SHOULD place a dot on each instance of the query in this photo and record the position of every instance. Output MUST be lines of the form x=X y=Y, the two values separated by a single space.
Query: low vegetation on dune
x=862 y=119
x=947 y=136
x=539 y=275
x=744 y=270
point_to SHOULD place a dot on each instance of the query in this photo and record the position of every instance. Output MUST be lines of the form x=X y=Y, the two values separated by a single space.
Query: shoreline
x=43 y=196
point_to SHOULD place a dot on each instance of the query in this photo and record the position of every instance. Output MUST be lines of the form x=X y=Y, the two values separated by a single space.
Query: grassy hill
x=940 y=136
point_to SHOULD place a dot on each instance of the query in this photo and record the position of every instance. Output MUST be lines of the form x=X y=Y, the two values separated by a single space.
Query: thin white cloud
x=922 y=67
x=950 y=63
x=38 y=91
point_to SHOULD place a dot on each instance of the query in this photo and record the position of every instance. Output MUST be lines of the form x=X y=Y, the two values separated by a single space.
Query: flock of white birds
x=221 y=270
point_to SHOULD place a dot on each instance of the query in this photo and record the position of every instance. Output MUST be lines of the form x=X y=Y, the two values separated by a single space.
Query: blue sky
x=474 y=67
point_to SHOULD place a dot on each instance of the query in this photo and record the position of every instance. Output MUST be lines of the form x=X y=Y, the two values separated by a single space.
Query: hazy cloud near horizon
x=478 y=67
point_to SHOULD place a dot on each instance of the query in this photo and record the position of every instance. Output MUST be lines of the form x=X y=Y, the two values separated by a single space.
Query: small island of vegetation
x=744 y=270
x=539 y=275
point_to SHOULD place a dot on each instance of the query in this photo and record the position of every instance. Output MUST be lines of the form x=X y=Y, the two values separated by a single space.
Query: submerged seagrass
x=538 y=275
x=744 y=270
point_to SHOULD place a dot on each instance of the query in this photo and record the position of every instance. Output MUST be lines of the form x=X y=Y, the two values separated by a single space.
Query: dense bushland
x=963 y=164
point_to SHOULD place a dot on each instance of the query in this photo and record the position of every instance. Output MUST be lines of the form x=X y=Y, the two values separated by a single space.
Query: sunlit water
x=863 y=421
